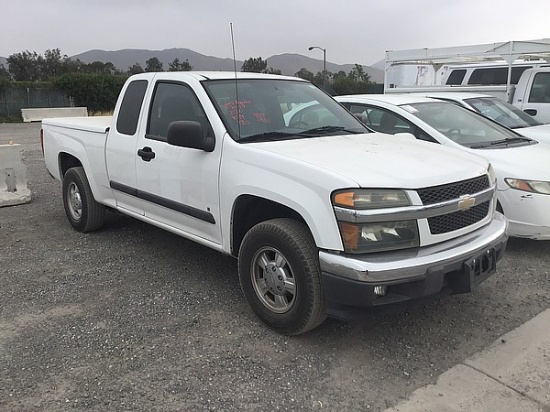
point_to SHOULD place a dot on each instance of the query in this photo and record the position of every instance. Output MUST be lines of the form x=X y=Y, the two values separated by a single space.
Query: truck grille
x=442 y=193
x=460 y=219
x=457 y=220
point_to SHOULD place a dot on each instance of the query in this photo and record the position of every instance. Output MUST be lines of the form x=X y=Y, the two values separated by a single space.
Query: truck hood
x=380 y=160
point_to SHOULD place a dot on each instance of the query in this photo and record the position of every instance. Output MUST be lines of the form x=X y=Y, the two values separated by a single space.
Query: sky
x=351 y=31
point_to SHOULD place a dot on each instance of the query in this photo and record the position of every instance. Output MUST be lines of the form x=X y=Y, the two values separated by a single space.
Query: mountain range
x=287 y=63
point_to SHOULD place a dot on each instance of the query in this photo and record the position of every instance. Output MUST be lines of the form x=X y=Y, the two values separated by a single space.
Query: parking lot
x=135 y=318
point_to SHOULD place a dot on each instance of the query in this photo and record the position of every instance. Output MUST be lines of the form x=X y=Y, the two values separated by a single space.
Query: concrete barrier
x=13 y=176
x=37 y=114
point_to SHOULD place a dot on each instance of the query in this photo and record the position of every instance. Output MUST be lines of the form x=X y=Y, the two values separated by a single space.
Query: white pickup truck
x=324 y=216
x=529 y=90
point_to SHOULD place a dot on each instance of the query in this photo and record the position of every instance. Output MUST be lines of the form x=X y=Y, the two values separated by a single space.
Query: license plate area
x=475 y=271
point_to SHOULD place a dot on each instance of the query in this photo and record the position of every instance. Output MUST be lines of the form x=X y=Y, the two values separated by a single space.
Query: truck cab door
x=178 y=185
x=121 y=145
x=536 y=94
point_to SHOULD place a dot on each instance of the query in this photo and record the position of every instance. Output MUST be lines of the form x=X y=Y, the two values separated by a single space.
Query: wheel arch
x=66 y=161
x=499 y=207
x=249 y=210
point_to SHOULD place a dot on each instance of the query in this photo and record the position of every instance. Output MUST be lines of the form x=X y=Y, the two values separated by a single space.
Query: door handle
x=532 y=112
x=146 y=154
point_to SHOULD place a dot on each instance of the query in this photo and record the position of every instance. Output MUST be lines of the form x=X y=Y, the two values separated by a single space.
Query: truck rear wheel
x=280 y=276
x=83 y=212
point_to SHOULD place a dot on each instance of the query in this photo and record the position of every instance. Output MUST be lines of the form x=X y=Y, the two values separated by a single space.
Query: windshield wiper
x=319 y=131
x=509 y=140
x=266 y=137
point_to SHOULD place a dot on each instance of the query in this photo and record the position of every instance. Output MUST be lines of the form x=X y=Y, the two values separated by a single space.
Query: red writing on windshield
x=261 y=118
x=235 y=110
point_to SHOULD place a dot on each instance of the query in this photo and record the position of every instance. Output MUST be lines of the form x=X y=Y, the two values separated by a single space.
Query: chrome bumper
x=411 y=265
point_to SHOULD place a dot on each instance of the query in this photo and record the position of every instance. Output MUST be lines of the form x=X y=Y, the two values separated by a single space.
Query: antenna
x=236 y=87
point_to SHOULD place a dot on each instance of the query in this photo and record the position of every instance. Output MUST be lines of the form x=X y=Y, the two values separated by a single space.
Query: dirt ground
x=132 y=318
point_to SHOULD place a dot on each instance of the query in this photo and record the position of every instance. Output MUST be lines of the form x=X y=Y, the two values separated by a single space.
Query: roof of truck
x=213 y=75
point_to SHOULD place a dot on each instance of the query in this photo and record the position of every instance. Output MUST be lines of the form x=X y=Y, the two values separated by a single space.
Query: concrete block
x=13 y=176
x=37 y=114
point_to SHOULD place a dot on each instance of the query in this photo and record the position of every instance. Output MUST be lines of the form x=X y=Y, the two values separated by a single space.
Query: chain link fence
x=13 y=99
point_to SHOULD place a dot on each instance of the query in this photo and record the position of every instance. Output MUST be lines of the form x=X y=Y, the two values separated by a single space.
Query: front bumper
x=456 y=265
x=528 y=214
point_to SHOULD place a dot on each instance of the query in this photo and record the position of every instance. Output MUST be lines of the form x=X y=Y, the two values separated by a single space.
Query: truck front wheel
x=280 y=276
x=83 y=212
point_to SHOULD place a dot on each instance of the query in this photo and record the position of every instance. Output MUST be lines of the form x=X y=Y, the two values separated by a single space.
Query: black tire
x=83 y=212
x=280 y=276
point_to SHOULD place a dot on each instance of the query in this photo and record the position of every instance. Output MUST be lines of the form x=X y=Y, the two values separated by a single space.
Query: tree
x=271 y=70
x=254 y=65
x=153 y=65
x=98 y=92
x=322 y=80
x=100 y=68
x=24 y=66
x=257 y=65
x=52 y=64
x=177 y=66
x=305 y=74
x=27 y=66
x=135 y=69
x=356 y=81
x=358 y=74
x=4 y=73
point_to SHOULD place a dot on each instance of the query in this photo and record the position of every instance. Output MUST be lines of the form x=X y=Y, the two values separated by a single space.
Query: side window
x=382 y=120
x=387 y=122
x=517 y=72
x=540 y=90
x=128 y=115
x=360 y=112
x=172 y=102
x=496 y=75
x=456 y=77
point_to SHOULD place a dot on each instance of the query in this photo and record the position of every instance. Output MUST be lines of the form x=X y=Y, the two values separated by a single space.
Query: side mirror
x=185 y=133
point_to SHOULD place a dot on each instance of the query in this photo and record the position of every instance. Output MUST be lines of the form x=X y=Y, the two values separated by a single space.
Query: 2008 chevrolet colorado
x=323 y=215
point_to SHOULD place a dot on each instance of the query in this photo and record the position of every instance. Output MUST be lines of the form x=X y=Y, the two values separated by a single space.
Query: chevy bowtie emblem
x=466 y=202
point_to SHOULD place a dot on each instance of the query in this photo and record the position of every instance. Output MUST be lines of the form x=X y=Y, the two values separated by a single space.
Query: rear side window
x=496 y=75
x=456 y=77
x=128 y=115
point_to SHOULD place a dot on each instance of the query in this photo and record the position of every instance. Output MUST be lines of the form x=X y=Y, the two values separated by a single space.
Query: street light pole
x=324 y=63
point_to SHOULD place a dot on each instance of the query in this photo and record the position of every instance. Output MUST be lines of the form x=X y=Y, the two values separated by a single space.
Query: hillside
x=289 y=64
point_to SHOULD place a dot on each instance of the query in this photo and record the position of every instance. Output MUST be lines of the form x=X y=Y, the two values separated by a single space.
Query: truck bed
x=95 y=124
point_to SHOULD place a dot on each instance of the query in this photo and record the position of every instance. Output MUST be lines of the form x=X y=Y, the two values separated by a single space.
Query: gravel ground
x=132 y=318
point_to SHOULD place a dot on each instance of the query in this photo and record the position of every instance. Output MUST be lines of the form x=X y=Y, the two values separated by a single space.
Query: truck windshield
x=501 y=112
x=255 y=110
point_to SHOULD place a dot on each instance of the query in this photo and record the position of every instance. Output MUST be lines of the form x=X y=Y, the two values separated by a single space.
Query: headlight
x=376 y=237
x=365 y=237
x=533 y=186
x=370 y=199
